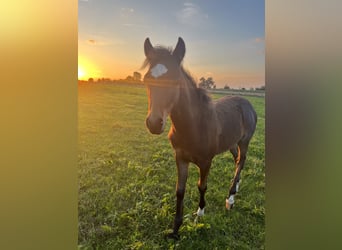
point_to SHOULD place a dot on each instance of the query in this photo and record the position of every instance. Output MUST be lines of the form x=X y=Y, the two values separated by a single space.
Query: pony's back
x=237 y=118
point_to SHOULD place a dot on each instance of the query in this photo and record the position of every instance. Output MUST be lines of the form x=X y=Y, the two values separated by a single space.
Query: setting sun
x=87 y=69
x=81 y=73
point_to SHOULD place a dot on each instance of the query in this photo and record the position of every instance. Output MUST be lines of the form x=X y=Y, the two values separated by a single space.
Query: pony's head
x=163 y=82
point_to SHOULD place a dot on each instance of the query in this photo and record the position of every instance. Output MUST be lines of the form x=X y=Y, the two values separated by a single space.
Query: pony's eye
x=158 y=70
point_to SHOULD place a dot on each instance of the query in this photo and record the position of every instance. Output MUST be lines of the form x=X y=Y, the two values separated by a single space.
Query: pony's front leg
x=202 y=187
x=182 y=169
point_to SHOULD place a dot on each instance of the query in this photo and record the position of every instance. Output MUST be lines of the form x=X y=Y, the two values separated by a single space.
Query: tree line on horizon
x=206 y=83
x=136 y=78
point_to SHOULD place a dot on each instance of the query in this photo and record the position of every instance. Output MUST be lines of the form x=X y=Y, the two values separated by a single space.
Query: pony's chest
x=192 y=150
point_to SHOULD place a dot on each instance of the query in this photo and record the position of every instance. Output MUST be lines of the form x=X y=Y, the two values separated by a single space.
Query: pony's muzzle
x=155 y=126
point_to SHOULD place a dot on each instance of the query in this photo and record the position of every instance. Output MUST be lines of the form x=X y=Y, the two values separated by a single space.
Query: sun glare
x=81 y=73
x=87 y=69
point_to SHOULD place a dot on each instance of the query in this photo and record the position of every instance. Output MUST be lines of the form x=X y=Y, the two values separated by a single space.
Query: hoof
x=200 y=212
x=229 y=206
x=172 y=236
x=230 y=202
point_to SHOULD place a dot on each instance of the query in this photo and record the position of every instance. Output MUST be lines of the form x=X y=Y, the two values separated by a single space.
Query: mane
x=201 y=92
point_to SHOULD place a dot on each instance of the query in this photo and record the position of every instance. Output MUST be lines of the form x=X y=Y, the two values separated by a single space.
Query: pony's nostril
x=161 y=122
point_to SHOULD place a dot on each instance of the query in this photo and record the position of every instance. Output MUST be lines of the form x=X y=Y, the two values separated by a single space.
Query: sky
x=224 y=40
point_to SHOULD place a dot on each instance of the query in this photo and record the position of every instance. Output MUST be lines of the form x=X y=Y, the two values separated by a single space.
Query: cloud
x=135 y=25
x=91 y=41
x=97 y=40
x=259 y=40
x=208 y=73
x=259 y=44
x=126 y=12
x=191 y=14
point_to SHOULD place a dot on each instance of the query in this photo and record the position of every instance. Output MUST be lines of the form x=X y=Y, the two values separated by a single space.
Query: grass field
x=127 y=181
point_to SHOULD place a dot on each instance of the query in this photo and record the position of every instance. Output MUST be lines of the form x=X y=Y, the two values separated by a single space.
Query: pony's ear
x=148 y=48
x=179 y=51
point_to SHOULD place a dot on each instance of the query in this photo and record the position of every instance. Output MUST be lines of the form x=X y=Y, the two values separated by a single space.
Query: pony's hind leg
x=239 y=154
x=236 y=154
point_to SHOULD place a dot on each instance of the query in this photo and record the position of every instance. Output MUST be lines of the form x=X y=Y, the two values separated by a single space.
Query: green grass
x=127 y=181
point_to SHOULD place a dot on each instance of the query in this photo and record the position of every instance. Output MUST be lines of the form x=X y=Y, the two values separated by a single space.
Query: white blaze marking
x=158 y=70
x=200 y=212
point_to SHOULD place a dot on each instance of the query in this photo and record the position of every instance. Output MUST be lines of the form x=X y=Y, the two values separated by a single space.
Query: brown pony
x=201 y=128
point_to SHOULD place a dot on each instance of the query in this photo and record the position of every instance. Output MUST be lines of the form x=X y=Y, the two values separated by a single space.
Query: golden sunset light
x=81 y=73
x=235 y=58
x=87 y=69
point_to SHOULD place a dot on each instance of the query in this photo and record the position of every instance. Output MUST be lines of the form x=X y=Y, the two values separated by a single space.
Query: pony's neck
x=192 y=109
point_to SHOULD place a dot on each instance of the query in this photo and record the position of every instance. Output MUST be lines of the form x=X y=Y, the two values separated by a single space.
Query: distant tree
x=104 y=80
x=202 y=83
x=91 y=80
x=207 y=83
x=101 y=79
x=137 y=76
x=243 y=89
x=226 y=87
x=211 y=83
x=129 y=78
x=251 y=89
